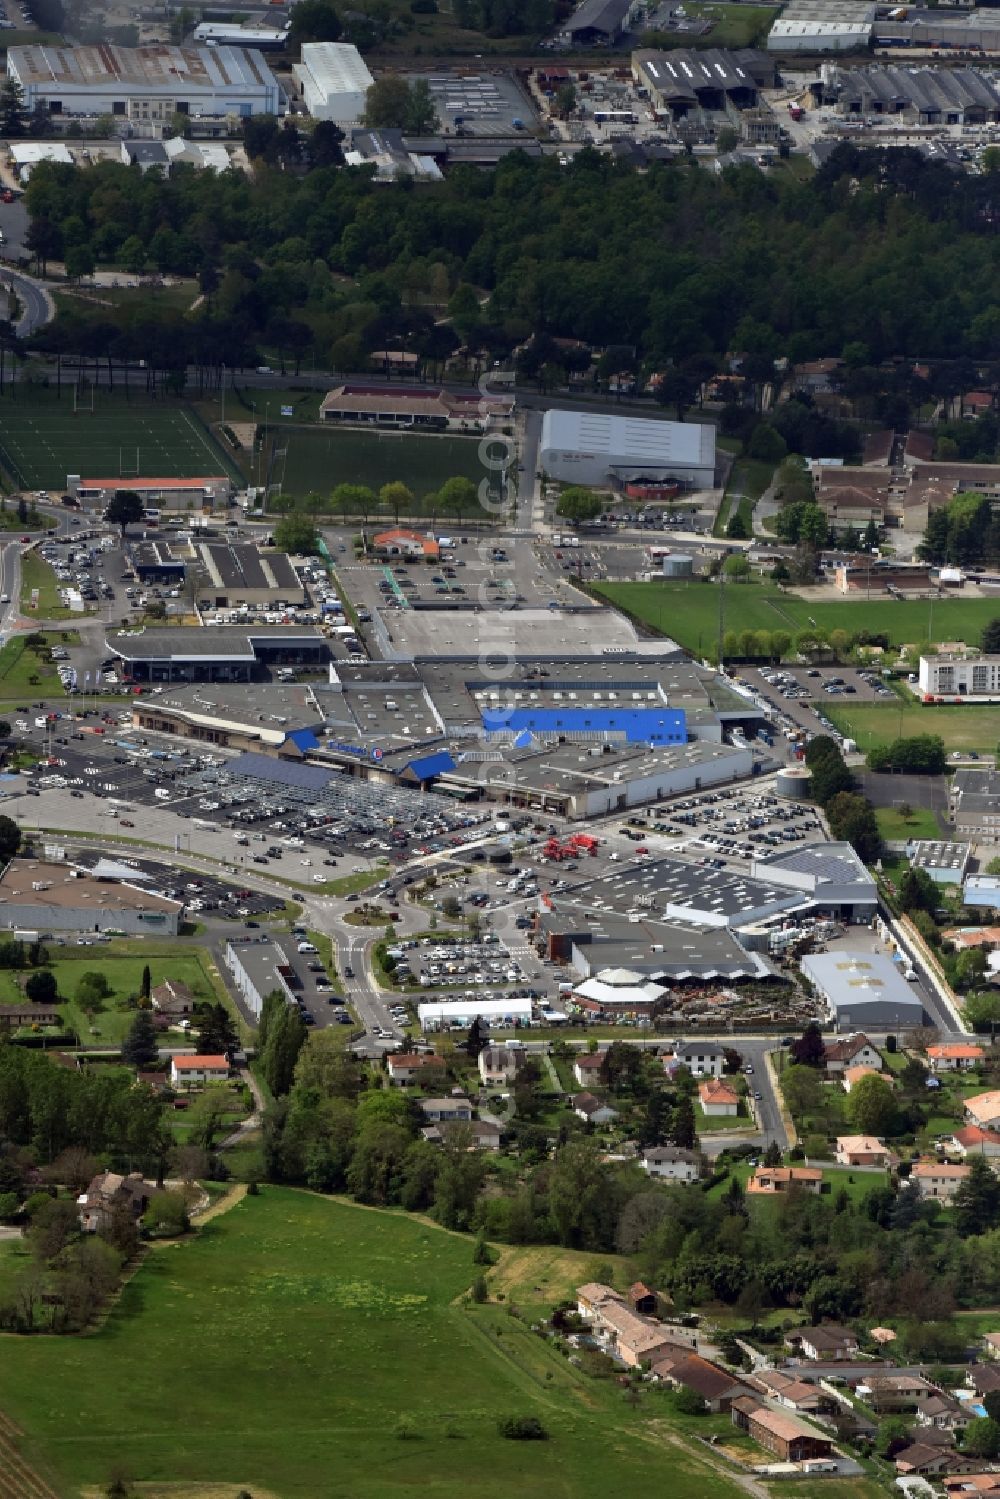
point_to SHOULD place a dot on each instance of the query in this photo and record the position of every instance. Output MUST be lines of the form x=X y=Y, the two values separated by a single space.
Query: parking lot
x=743 y=824
x=199 y=892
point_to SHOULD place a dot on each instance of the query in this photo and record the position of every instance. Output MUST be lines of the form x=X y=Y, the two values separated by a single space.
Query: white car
x=39 y=723
x=21 y=724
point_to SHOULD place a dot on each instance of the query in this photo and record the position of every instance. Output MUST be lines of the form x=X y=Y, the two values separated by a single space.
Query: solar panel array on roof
x=280 y=772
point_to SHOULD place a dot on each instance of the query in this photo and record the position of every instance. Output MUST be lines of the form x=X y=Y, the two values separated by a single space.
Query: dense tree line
x=330 y=263
x=963 y=532
x=851 y=816
x=50 y=1109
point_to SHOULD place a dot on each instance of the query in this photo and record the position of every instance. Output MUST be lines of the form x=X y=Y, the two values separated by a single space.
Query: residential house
x=671 y=1163
x=796 y=1394
x=942 y=1412
x=894 y=1392
x=497 y=1065
x=457 y=1110
x=592 y=1110
x=975 y=1141
x=862 y=1150
x=770 y=1180
x=588 y=1068
x=984 y=1109
x=592 y=1297
x=481 y=1134
x=921 y=1458
x=853 y=1051
x=972 y=1486
x=852 y=1075
x=172 y=999
x=108 y=1194
x=826 y=1342
x=992 y=1342
x=790 y=1439
x=642 y=1300
x=954 y=1056
x=983 y=1378
x=716 y=1386
x=718 y=1099
x=406 y=1067
x=186 y=1072
x=701 y=1058
x=938 y=1179
x=13 y=1017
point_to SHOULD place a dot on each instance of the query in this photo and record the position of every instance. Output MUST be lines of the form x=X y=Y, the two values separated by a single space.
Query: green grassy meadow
x=42 y=440
x=689 y=612
x=317 y=460
x=972 y=726
x=921 y=823
x=18 y=665
x=309 y=1347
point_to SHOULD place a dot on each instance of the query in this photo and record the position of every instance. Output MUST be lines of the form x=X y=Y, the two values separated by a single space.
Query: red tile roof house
x=185 y=1072
x=938 y=1179
x=975 y=1141
x=718 y=1098
x=790 y=1439
x=984 y=1109
x=716 y=1387
x=954 y=1056
x=400 y=541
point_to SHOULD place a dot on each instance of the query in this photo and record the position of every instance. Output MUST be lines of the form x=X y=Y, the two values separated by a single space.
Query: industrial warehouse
x=146 y=83
x=583 y=447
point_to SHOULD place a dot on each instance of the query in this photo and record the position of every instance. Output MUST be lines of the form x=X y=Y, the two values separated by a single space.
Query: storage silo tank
x=678 y=565
x=795 y=782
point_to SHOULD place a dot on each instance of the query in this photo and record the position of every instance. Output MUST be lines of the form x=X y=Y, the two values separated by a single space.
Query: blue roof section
x=523 y=739
x=303 y=739
x=431 y=765
x=639 y=725
x=283 y=772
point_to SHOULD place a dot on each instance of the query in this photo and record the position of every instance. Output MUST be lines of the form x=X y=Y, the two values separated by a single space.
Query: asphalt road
x=37 y=307
x=10 y=587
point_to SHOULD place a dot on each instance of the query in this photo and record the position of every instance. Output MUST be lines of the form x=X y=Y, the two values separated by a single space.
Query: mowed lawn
x=285 y=1345
x=689 y=613
x=124 y=974
x=972 y=726
x=42 y=440
x=315 y=461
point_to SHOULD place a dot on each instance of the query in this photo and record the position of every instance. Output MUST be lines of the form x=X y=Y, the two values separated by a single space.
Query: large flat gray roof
x=645 y=440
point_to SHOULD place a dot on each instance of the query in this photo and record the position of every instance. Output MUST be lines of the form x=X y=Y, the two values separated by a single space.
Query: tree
x=217 y=1034
x=396 y=496
x=11 y=108
x=421 y=116
x=917 y=891
x=990 y=643
x=41 y=987
x=10 y=839
x=79 y=262
x=457 y=496
x=388 y=104
x=324 y=145
x=982 y=1438
x=285 y=1038
x=871 y=1105
x=736 y=567
x=726 y=140
x=971 y=967
x=766 y=444
x=139 y=1049
x=206 y=1114
x=476 y=1041
x=808 y=1050
x=977 y=1200
x=124 y=509
x=314 y=21
x=683 y=1130
x=892 y=1436
x=565 y=101
x=296 y=535
x=579 y=505
x=166 y=1214
x=736 y=527
x=852 y=820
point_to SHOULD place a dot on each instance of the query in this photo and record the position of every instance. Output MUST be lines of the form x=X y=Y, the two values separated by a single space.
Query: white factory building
x=586 y=447
x=822 y=26
x=334 y=81
x=960 y=679
x=146 y=84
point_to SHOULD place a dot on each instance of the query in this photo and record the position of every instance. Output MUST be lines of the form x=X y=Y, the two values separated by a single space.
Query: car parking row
x=443 y=965
x=739 y=824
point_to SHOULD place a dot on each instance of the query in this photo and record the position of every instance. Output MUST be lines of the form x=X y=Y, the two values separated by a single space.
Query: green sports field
x=314 y=461
x=689 y=613
x=972 y=726
x=42 y=440
x=305 y=1347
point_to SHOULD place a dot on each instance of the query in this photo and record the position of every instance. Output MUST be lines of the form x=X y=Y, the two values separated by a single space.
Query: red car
x=25 y=538
x=6 y=196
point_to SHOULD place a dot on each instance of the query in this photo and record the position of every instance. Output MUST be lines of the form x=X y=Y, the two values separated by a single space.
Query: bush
x=688 y=1402
x=522 y=1429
